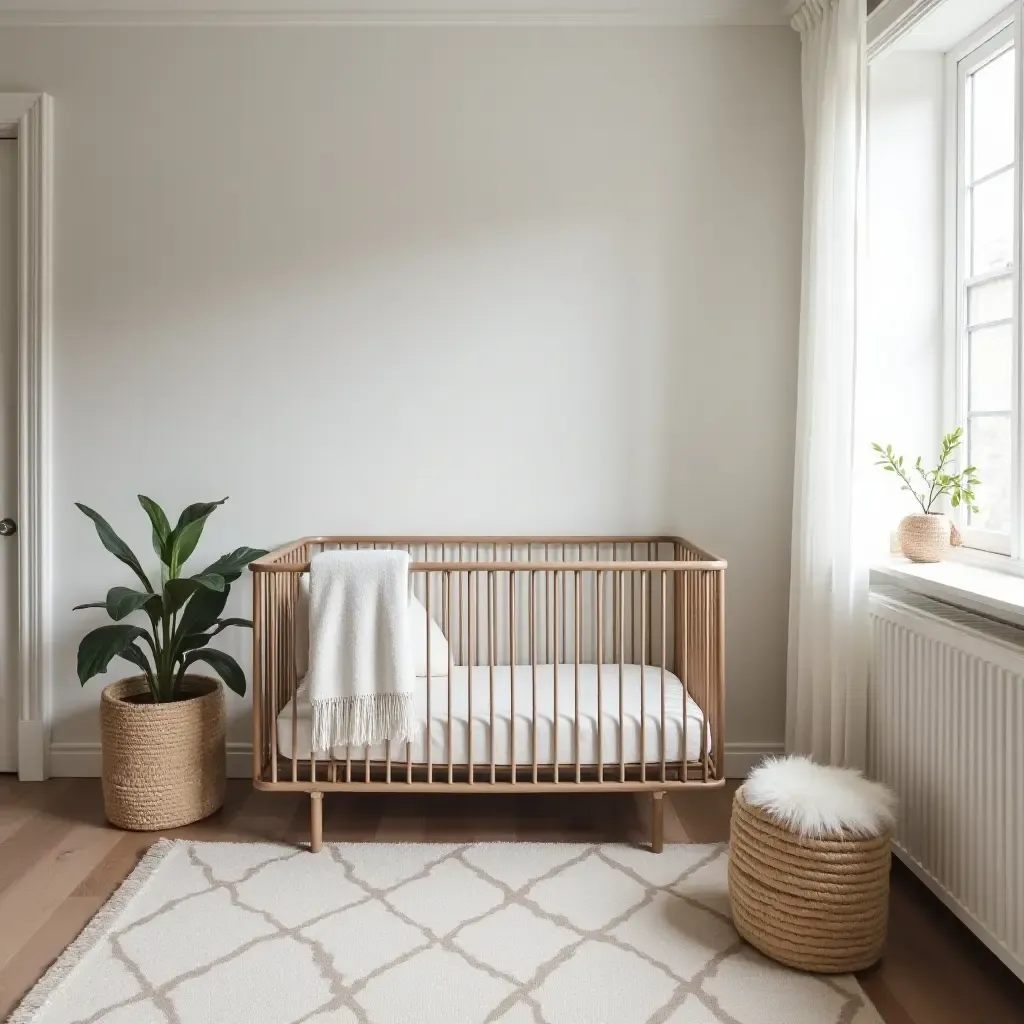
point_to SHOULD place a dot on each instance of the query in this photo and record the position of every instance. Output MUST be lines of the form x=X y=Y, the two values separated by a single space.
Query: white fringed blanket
x=360 y=661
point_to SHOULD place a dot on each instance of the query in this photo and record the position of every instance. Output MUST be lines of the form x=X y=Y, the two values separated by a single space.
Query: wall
x=442 y=280
x=903 y=343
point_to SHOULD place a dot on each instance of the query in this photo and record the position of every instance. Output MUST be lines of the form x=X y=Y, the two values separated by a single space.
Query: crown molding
x=891 y=20
x=358 y=13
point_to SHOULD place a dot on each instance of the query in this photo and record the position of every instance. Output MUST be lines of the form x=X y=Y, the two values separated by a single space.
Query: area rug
x=372 y=933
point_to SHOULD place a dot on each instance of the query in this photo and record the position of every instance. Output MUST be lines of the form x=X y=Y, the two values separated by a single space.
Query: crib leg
x=316 y=822
x=657 y=821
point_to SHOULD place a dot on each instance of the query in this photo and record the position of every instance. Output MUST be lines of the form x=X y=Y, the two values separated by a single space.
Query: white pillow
x=417 y=623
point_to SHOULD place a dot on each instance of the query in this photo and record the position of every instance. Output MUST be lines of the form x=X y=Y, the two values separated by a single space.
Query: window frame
x=1000 y=34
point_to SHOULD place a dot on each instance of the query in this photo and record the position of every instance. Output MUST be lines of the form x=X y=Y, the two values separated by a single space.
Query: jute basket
x=818 y=905
x=924 y=538
x=163 y=764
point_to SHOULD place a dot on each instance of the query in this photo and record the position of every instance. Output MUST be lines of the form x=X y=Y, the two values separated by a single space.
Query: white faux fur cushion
x=815 y=800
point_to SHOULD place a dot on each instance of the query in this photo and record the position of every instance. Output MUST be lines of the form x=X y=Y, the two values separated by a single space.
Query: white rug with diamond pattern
x=370 y=933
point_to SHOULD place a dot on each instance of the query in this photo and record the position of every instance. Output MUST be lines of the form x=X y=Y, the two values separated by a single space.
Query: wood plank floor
x=59 y=861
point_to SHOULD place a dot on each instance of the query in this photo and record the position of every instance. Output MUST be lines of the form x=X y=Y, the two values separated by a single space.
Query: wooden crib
x=574 y=664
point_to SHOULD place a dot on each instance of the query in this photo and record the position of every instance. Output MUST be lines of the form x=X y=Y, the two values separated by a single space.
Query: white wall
x=444 y=280
x=903 y=343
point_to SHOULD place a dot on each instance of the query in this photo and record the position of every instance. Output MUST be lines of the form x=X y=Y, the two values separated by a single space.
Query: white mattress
x=523 y=676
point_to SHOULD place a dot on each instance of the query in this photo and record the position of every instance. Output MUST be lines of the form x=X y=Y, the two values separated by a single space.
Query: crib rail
x=527 y=603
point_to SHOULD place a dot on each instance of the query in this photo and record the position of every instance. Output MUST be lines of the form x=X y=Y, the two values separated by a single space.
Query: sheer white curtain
x=827 y=670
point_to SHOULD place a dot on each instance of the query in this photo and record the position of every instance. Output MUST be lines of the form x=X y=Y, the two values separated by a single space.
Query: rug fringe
x=361 y=721
x=91 y=934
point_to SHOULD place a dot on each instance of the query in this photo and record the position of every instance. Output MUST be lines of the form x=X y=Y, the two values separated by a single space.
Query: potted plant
x=925 y=537
x=163 y=730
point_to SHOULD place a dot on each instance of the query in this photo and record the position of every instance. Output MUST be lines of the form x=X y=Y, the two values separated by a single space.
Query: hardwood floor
x=59 y=861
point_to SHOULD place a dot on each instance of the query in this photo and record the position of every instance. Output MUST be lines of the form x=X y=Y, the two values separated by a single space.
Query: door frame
x=28 y=118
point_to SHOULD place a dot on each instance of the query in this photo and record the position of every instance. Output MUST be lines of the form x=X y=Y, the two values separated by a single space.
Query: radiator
x=946 y=732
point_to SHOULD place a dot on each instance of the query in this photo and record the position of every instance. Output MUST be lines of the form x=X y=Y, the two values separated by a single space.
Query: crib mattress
x=682 y=732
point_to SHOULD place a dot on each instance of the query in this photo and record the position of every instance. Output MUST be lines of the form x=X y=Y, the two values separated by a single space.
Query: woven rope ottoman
x=809 y=865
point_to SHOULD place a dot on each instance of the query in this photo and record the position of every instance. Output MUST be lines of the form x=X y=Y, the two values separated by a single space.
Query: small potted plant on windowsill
x=925 y=537
x=163 y=731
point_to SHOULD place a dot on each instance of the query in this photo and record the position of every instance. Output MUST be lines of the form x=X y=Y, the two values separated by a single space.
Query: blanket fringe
x=361 y=721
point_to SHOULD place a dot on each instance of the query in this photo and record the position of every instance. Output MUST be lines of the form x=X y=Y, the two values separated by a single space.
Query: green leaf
x=135 y=655
x=192 y=642
x=202 y=612
x=122 y=601
x=90 y=604
x=231 y=565
x=114 y=544
x=178 y=591
x=189 y=529
x=223 y=624
x=161 y=527
x=101 y=645
x=223 y=664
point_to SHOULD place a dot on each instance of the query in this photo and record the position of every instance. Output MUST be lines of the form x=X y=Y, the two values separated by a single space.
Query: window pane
x=991 y=301
x=992 y=102
x=992 y=224
x=989 y=451
x=991 y=352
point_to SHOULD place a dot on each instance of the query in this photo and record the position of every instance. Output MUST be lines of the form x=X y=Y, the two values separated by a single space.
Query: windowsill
x=989 y=592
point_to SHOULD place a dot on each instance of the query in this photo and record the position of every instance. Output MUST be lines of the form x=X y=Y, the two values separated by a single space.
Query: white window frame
x=995 y=37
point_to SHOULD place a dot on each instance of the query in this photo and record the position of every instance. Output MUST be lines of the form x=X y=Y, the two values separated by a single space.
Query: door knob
x=8 y=527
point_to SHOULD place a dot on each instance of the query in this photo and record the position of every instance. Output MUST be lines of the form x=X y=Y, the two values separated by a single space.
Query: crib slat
x=288 y=672
x=472 y=581
x=430 y=748
x=577 y=597
x=682 y=619
x=718 y=722
x=664 y=597
x=512 y=662
x=448 y=605
x=257 y=676
x=706 y=590
x=548 y=602
x=643 y=677
x=491 y=604
x=650 y=604
x=622 y=646
x=561 y=656
x=600 y=673
x=556 y=578
x=533 y=663
x=276 y=680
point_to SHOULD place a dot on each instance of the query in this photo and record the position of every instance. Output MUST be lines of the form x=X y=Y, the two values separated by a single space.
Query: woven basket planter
x=814 y=904
x=924 y=538
x=163 y=764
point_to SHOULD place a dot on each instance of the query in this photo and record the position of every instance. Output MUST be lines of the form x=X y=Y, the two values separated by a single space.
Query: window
x=986 y=337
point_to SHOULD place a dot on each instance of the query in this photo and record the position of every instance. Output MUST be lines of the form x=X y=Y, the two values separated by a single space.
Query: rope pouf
x=163 y=764
x=816 y=904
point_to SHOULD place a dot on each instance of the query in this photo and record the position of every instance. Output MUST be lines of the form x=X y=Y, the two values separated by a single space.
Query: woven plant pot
x=163 y=764
x=817 y=905
x=924 y=538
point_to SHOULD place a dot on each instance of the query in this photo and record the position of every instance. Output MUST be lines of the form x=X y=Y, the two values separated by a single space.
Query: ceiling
x=644 y=12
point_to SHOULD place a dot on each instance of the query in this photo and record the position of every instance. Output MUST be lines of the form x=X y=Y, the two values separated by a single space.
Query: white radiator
x=946 y=732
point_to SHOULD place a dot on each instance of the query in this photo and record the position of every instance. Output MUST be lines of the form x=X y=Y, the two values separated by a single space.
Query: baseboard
x=742 y=758
x=82 y=760
x=32 y=748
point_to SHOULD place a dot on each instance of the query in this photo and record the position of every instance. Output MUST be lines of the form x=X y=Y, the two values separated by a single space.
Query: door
x=8 y=454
